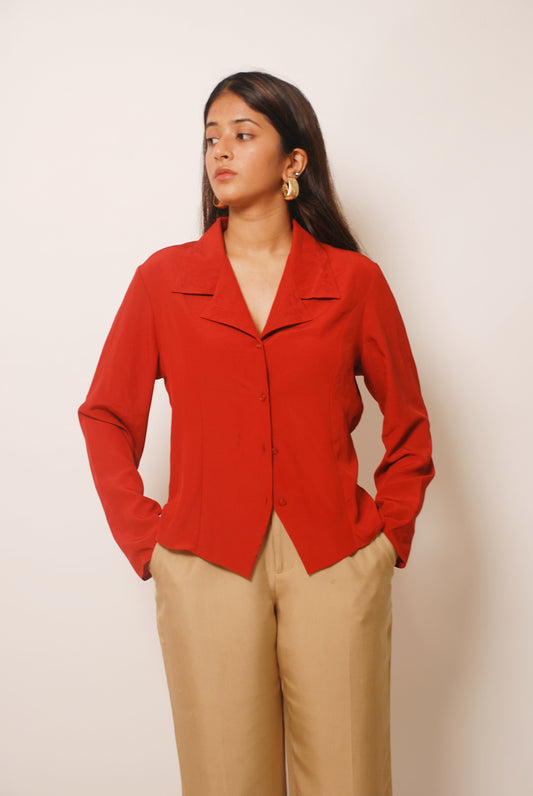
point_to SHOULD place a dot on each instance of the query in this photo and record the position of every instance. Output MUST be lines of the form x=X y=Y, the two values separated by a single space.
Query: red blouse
x=259 y=421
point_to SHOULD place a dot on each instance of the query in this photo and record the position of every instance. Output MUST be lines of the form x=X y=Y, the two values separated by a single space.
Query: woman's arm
x=390 y=374
x=114 y=419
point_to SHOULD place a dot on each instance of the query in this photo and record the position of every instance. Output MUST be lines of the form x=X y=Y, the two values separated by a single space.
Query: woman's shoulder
x=350 y=266
x=172 y=266
x=346 y=263
x=185 y=260
x=168 y=258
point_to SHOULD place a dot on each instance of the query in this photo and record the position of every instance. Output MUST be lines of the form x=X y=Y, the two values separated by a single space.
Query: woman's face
x=244 y=160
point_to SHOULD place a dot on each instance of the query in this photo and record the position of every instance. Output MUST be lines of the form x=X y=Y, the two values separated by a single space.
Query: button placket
x=264 y=398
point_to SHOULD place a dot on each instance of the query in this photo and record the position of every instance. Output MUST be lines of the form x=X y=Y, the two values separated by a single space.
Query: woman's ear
x=296 y=165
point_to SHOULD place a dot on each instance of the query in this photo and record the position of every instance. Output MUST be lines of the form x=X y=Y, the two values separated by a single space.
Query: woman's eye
x=245 y=136
x=211 y=141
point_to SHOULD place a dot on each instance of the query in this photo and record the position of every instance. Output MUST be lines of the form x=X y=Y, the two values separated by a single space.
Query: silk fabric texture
x=260 y=421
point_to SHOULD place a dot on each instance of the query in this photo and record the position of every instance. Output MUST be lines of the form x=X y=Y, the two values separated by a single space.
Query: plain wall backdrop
x=426 y=109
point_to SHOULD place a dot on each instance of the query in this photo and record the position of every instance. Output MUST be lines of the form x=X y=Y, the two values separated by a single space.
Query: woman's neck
x=258 y=234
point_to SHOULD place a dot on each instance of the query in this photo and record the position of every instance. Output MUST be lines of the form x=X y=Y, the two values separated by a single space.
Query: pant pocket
x=388 y=546
x=153 y=560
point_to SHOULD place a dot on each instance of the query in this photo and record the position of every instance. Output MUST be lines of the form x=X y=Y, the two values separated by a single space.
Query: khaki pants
x=283 y=659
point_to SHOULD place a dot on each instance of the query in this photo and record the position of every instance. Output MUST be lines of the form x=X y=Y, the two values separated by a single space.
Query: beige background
x=426 y=110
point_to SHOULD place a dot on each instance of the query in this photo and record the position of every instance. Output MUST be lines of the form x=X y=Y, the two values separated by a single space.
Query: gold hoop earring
x=290 y=189
x=218 y=204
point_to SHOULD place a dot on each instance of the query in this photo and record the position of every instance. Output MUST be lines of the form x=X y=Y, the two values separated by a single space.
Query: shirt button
x=262 y=397
x=258 y=345
x=274 y=451
x=282 y=502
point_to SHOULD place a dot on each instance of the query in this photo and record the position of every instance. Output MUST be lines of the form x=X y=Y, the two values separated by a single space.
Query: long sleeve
x=114 y=419
x=390 y=374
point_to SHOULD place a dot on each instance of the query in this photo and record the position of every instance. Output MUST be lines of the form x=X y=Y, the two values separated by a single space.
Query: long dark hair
x=317 y=208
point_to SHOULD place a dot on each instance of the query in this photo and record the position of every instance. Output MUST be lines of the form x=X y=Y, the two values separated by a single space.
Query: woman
x=272 y=566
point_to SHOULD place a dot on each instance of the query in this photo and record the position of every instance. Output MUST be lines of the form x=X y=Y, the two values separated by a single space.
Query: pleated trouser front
x=284 y=659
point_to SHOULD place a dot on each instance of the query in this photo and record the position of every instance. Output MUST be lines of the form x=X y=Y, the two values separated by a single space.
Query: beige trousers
x=284 y=659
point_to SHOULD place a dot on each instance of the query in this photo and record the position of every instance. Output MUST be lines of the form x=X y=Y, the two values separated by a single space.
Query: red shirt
x=259 y=421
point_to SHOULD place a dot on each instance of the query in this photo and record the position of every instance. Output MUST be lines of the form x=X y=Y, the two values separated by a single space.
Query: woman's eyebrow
x=235 y=121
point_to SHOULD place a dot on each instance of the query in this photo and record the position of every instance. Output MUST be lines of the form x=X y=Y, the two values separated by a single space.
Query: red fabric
x=258 y=421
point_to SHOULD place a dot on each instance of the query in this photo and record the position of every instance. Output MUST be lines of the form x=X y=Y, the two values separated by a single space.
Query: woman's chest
x=258 y=284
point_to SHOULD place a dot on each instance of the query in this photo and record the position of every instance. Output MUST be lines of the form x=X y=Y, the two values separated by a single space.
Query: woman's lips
x=224 y=174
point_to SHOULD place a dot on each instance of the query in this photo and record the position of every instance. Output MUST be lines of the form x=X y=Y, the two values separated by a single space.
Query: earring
x=290 y=189
x=218 y=204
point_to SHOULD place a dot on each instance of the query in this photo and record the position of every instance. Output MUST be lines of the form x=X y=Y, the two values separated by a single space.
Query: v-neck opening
x=305 y=276
x=260 y=334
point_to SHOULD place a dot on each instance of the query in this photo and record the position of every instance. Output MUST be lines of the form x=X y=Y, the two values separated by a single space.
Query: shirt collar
x=307 y=268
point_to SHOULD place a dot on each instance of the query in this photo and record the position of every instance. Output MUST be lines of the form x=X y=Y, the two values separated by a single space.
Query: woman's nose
x=222 y=149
